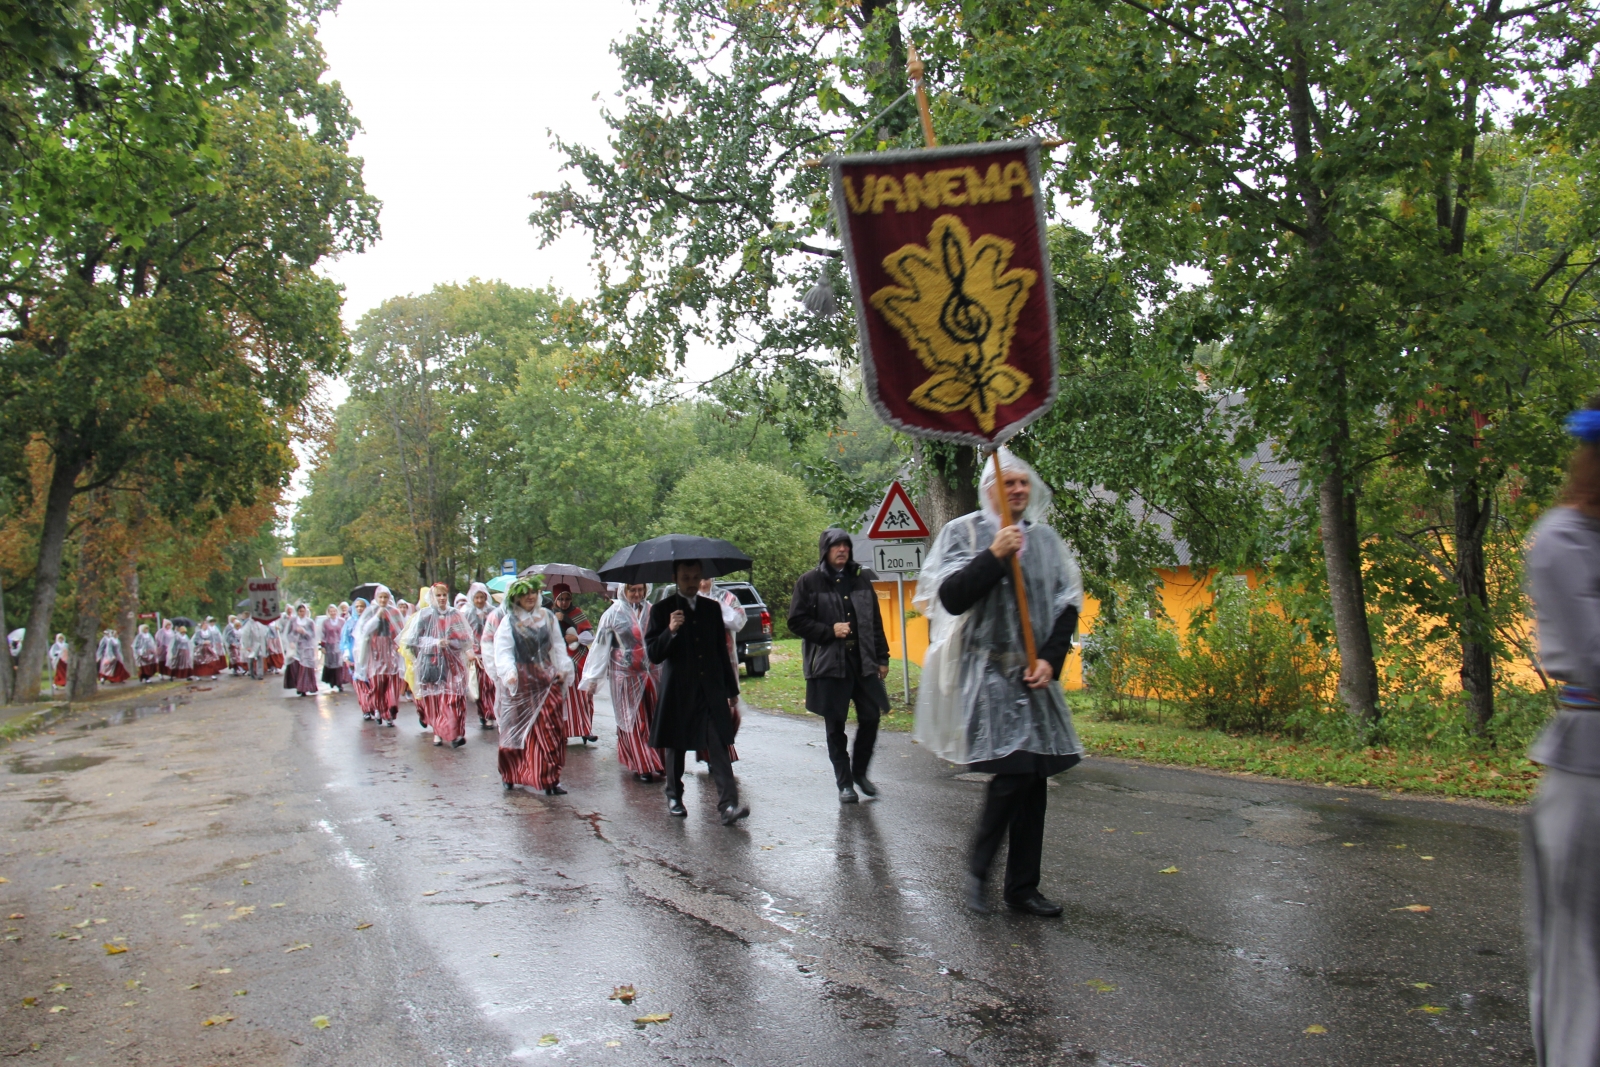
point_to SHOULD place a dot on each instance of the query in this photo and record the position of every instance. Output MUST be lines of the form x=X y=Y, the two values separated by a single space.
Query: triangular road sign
x=897 y=519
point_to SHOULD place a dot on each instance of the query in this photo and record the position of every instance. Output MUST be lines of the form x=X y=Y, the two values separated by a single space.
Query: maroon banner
x=951 y=278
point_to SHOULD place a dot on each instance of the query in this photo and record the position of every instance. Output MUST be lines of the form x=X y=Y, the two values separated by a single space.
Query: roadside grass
x=1503 y=776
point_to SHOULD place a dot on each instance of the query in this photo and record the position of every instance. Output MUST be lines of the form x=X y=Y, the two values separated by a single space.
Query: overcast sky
x=457 y=100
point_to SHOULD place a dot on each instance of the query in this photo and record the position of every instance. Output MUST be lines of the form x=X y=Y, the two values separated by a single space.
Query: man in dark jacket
x=698 y=689
x=835 y=612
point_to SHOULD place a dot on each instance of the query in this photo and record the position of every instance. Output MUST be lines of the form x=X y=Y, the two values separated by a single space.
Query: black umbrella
x=182 y=620
x=652 y=560
x=365 y=592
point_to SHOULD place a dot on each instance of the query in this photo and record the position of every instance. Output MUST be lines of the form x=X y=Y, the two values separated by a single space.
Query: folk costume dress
x=330 y=630
x=111 y=667
x=208 y=651
x=576 y=705
x=180 y=656
x=620 y=676
x=300 y=654
x=439 y=642
x=146 y=654
x=232 y=639
x=347 y=656
x=481 y=663
x=377 y=648
x=275 y=642
x=532 y=667
x=58 y=662
x=164 y=638
x=253 y=639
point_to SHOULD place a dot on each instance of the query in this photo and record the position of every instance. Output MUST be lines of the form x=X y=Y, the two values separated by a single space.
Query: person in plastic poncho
x=619 y=673
x=577 y=706
x=164 y=638
x=300 y=652
x=232 y=635
x=330 y=629
x=253 y=647
x=477 y=612
x=347 y=656
x=58 y=661
x=980 y=703
x=532 y=667
x=145 y=653
x=180 y=654
x=108 y=657
x=208 y=649
x=439 y=641
x=274 y=657
x=377 y=648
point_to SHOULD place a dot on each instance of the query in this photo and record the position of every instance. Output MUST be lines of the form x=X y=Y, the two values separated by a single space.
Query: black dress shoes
x=458 y=742
x=555 y=791
x=733 y=813
x=847 y=795
x=1038 y=904
x=975 y=901
x=864 y=784
x=675 y=807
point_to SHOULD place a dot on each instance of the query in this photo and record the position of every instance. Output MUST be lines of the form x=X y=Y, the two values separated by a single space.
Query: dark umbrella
x=652 y=560
x=365 y=592
x=182 y=620
x=581 y=579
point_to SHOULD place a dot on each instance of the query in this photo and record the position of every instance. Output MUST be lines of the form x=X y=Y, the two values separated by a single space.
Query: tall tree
x=166 y=314
x=1274 y=147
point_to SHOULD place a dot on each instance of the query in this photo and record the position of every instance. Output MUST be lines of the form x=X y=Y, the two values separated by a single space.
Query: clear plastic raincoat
x=378 y=639
x=253 y=640
x=530 y=658
x=437 y=639
x=618 y=659
x=145 y=653
x=973 y=705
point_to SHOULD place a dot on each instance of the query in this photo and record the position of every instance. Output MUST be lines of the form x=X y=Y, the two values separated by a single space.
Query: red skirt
x=301 y=677
x=384 y=692
x=165 y=669
x=578 y=708
x=363 y=696
x=633 y=746
x=486 y=691
x=59 y=678
x=147 y=670
x=447 y=714
x=274 y=661
x=539 y=763
x=209 y=668
x=118 y=675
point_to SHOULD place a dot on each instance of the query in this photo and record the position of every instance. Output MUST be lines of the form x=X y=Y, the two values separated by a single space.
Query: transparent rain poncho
x=437 y=638
x=973 y=705
x=144 y=648
x=618 y=658
x=208 y=644
x=300 y=640
x=253 y=640
x=377 y=643
x=109 y=654
x=530 y=659
x=180 y=656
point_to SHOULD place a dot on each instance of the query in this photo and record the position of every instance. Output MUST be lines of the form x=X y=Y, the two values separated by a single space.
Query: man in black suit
x=699 y=689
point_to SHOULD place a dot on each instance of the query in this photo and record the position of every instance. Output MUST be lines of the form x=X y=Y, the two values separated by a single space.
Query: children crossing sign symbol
x=897 y=520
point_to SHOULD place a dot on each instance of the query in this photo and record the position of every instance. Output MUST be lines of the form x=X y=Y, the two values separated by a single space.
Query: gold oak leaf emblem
x=957 y=307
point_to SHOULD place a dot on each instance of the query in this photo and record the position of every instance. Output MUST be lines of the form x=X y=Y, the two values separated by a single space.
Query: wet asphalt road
x=810 y=934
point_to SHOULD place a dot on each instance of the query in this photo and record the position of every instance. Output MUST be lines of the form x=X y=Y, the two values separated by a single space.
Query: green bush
x=1135 y=653
x=1247 y=668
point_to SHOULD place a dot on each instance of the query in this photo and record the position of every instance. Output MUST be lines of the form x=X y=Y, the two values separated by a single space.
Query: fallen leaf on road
x=242 y=866
x=547 y=1040
x=430 y=892
x=58 y=1009
x=613 y=1044
x=115 y=950
x=1349 y=844
x=1424 y=857
x=225 y=970
x=277 y=905
x=1419 y=908
x=217 y=1020
x=1421 y=985
x=297 y=948
x=28 y=1002
x=80 y=926
x=1169 y=870
x=60 y=987
x=3 y=881
x=53 y=888
x=150 y=824
x=624 y=993
x=321 y=1022
x=1316 y=1028
x=16 y=915
x=363 y=926
x=1100 y=985
x=241 y=912
x=1430 y=1009
x=241 y=992
x=1109 y=829
x=654 y=1017
x=195 y=986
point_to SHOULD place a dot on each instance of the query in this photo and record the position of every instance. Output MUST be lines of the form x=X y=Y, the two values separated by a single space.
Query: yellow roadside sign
x=313 y=561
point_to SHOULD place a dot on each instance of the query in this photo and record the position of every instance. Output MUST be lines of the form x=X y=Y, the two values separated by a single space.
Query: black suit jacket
x=697 y=679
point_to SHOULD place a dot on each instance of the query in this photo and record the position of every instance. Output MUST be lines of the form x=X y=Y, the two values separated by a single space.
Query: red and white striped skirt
x=633 y=746
x=446 y=713
x=384 y=693
x=486 y=692
x=578 y=709
x=539 y=764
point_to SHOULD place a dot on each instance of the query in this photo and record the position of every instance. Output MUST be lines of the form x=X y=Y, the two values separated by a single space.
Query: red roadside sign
x=897 y=520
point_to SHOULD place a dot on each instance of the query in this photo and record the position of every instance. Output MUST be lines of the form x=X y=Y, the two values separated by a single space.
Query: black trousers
x=716 y=756
x=1014 y=805
x=831 y=698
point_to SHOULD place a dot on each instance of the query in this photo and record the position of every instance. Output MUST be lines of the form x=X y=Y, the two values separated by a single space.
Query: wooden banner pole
x=1016 y=563
x=914 y=68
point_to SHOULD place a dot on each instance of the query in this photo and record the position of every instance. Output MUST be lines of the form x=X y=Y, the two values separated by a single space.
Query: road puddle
x=62 y=765
x=122 y=716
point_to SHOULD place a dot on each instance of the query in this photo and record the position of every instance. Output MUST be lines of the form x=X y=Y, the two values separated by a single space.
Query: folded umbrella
x=581 y=579
x=652 y=560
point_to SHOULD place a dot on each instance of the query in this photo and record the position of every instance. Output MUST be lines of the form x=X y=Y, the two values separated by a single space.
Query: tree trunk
x=82 y=664
x=952 y=483
x=47 y=577
x=128 y=609
x=1358 y=672
x=1473 y=509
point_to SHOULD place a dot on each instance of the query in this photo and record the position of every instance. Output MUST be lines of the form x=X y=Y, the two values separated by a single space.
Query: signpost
x=263 y=598
x=892 y=553
x=312 y=561
x=508 y=566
